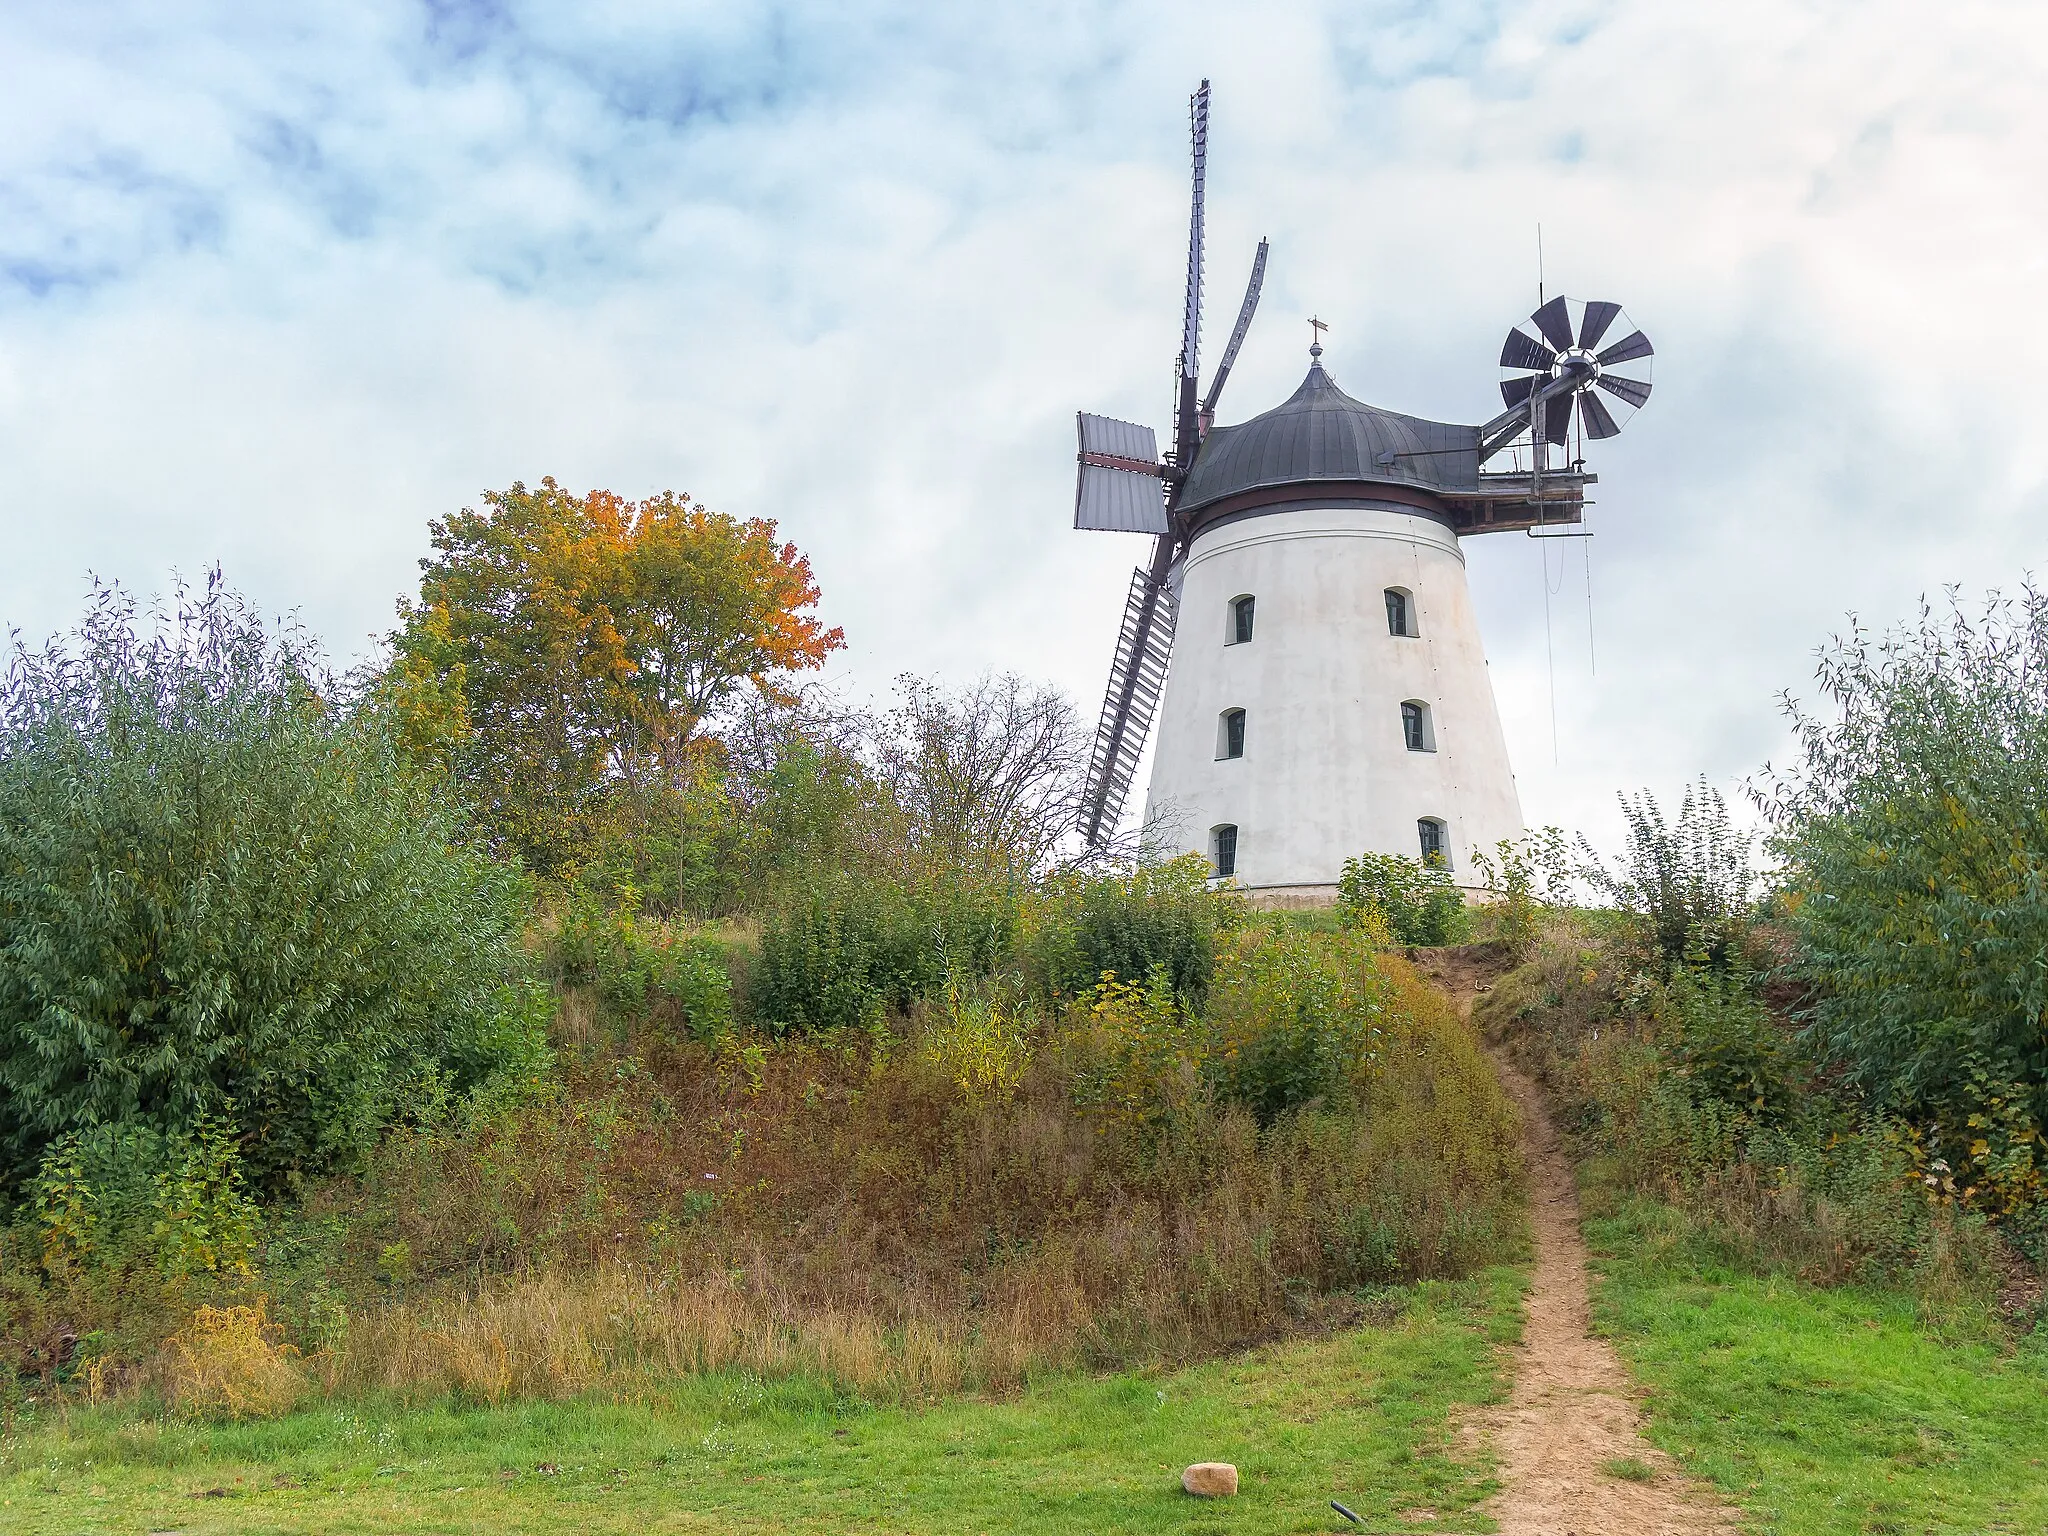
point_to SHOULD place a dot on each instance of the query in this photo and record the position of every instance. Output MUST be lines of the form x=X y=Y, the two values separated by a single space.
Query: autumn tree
x=571 y=646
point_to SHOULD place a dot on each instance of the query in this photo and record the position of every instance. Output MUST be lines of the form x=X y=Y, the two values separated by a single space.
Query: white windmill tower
x=1304 y=628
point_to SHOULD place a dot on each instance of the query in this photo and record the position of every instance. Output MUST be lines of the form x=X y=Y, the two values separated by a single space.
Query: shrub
x=1688 y=886
x=1417 y=901
x=980 y=1040
x=1157 y=917
x=222 y=895
x=1511 y=872
x=125 y=1197
x=1914 y=829
x=1687 y=1088
x=1725 y=1042
x=840 y=956
x=636 y=965
x=231 y=1363
x=1139 y=1057
x=1294 y=1019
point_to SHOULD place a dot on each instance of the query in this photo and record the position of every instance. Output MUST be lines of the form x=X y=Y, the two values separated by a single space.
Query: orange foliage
x=573 y=638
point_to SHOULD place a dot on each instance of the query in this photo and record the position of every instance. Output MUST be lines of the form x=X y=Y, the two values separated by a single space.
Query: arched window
x=1230 y=733
x=1223 y=850
x=1401 y=612
x=1435 y=844
x=1240 y=632
x=1417 y=729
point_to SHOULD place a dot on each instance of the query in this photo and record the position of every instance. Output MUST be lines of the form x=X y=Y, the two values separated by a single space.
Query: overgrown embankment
x=985 y=1169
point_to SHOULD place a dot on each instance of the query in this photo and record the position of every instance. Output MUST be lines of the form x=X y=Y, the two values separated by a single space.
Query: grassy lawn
x=1821 y=1410
x=1363 y=1415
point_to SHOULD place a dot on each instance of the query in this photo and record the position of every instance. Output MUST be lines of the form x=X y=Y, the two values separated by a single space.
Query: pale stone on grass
x=1210 y=1480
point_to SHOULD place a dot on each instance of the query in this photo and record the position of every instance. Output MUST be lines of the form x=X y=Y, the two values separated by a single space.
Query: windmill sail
x=1114 y=483
x=1136 y=677
x=1244 y=323
x=1118 y=488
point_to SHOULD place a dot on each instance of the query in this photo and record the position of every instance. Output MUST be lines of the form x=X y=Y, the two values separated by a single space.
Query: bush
x=1688 y=1089
x=1726 y=1044
x=1914 y=830
x=125 y=1197
x=220 y=895
x=1689 y=886
x=1159 y=917
x=636 y=965
x=981 y=1040
x=231 y=1363
x=1294 y=1020
x=840 y=956
x=1417 y=901
x=1511 y=872
x=1138 y=1059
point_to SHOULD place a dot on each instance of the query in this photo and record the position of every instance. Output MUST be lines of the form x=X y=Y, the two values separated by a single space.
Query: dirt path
x=1572 y=1412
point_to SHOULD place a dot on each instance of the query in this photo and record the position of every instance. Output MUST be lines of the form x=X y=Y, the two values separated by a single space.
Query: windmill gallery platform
x=1303 y=630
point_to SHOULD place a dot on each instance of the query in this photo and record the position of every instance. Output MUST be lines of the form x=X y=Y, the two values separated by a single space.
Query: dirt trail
x=1572 y=1411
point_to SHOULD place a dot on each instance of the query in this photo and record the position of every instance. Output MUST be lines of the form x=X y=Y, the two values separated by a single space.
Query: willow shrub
x=1162 y=918
x=842 y=953
x=1295 y=1019
x=1914 y=829
x=1418 y=902
x=223 y=900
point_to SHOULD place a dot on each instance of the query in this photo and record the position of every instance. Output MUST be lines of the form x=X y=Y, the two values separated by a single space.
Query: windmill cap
x=1320 y=435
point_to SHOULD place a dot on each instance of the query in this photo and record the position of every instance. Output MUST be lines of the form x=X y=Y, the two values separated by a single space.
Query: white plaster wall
x=1326 y=772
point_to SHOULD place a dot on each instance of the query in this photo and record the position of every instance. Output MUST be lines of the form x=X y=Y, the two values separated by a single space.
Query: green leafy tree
x=227 y=901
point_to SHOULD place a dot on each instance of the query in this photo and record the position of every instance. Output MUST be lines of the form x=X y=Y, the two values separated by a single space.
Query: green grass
x=1366 y=1416
x=1822 y=1410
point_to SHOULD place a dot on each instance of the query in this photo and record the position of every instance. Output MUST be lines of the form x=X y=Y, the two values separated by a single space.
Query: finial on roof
x=1315 y=330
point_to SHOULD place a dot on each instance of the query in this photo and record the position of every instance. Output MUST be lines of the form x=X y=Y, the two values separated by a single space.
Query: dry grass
x=900 y=1225
x=619 y=1327
x=231 y=1363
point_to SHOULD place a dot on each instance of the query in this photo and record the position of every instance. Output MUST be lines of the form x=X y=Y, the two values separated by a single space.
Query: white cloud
x=279 y=292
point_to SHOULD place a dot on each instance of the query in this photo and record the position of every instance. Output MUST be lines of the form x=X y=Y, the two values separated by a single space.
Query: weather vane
x=1315 y=330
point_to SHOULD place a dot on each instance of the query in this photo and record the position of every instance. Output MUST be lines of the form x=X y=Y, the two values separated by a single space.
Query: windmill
x=1123 y=486
x=1350 y=723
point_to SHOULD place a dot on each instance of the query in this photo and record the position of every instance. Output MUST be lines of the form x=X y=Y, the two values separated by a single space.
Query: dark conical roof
x=1321 y=434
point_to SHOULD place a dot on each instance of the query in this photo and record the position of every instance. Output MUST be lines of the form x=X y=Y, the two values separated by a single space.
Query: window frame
x=1434 y=843
x=1422 y=737
x=1240 y=619
x=1230 y=731
x=1222 y=835
x=1410 y=614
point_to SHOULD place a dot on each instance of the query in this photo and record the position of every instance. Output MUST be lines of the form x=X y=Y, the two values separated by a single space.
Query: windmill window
x=1401 y=612
x=1417 y=729
x=1430 y=833
x=1230 y=733
x=1240 y=621
x=1224 y=840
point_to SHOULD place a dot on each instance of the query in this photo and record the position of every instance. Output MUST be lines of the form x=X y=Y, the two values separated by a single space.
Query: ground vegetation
x=550 y=1028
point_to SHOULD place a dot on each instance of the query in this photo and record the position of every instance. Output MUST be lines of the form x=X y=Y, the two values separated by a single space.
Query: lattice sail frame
x=1137 y=677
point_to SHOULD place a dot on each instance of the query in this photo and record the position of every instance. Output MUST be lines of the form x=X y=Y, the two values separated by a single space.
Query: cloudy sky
x=279 y=285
